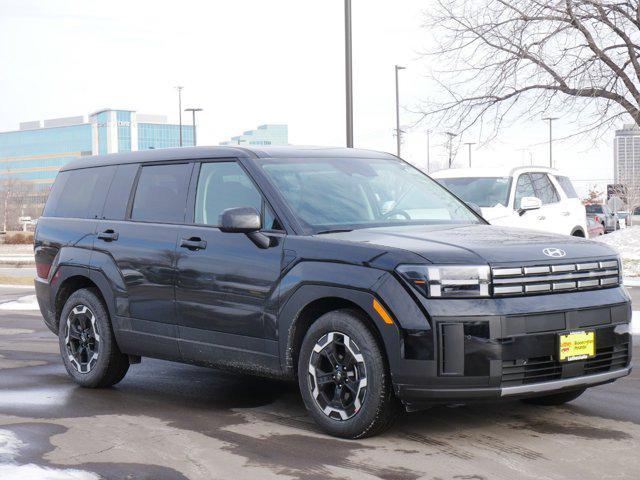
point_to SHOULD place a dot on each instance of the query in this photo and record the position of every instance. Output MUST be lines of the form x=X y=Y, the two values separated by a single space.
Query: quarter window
x=545 y=190
x=161 y=194
x=524 y=188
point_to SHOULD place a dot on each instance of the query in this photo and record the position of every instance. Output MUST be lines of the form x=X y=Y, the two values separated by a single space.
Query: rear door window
x=79 y=193
x=545 y=190
x=161 y=193
x=567 y=186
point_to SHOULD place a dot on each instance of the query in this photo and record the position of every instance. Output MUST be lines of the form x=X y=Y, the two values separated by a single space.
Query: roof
x=490 y=172
x=227 y=151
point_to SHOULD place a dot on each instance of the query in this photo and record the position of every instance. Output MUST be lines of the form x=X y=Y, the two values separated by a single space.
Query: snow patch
x=627 y=243
x=28 y=302
x=9 y=470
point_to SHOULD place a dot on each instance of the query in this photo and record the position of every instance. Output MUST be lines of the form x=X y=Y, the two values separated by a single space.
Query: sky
x=251 y=62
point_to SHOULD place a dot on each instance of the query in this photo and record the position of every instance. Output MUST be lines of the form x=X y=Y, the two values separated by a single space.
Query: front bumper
x=508 y=348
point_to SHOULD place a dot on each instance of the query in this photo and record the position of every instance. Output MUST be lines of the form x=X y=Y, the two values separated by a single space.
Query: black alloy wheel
x=337 y=376
x=82 y=339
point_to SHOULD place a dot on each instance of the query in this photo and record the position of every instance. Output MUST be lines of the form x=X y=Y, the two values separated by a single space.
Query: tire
x=555 y=399
x=87 y=344
x=372 y=406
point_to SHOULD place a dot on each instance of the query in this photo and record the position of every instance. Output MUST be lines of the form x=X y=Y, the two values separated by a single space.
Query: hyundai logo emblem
x=554 y=252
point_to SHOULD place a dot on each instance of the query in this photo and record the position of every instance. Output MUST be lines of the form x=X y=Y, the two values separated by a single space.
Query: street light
x=451 y=135
x=469 y=144
x=180 y=113
x=193 y=115
x=348 y=71
x=398 y=131
x=550 y=120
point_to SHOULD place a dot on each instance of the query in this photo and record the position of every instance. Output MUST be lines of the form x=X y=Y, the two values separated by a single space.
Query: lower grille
x=606 y=359
x=532 y=370
x=547 y=368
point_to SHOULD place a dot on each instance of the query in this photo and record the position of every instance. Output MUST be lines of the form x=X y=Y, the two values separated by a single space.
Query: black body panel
x=229 y=303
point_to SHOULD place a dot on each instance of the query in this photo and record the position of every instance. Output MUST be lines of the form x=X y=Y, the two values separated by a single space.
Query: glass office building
x=31 y=156
x=263 y=135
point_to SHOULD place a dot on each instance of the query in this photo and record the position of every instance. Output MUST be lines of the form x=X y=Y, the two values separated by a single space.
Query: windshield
x=483 y=191
x=348 y=193
x=593 y=208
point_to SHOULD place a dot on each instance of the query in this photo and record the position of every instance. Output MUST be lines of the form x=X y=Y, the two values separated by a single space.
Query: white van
x=538 y=198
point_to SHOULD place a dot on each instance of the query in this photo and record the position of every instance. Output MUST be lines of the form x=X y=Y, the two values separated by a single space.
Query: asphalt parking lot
x=171 y=421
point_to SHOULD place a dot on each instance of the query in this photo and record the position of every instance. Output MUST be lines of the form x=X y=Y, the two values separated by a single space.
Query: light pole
x=348 y=58
x=469 y=144
x=193 y=116
x=398 y=131
x=180 y=113
x=451 y=135
x=550 y=120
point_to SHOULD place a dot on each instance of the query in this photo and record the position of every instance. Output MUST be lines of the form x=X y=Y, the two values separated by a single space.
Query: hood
x=477 y=243
x=497 y=212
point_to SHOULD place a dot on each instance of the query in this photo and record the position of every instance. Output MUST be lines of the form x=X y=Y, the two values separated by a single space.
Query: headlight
x=446 y=281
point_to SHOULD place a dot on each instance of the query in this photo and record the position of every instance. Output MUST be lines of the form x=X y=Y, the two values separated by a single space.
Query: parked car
x=635 y=217
x=603 y=214
x=595 y=229
x=348 y=270
x=624 y=219
x=537 y=198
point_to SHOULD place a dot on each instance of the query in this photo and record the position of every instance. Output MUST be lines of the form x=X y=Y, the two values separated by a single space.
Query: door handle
x=542 y=217
x=193 y=243
x=108 y=236
x=565 y=214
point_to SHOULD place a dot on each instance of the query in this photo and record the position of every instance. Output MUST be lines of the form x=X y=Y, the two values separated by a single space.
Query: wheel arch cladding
x=73 y=279
x=310 y=302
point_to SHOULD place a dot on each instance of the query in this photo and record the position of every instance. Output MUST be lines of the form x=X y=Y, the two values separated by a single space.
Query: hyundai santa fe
x=347 y=270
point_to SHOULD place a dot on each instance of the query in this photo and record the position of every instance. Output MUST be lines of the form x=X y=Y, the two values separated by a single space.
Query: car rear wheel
x=87 y=344
x=343 y=377
x=555 y=399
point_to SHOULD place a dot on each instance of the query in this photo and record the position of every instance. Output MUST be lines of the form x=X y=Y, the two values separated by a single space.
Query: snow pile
x=28 y=302
x=627 y=243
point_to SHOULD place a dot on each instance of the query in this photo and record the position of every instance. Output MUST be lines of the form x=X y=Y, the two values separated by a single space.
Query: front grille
x=547 y=368
x=538 y=279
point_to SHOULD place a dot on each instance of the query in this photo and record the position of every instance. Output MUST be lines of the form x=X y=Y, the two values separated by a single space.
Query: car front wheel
x=343 y=377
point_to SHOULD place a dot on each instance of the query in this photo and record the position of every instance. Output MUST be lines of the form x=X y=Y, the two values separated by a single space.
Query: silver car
x=604 y=215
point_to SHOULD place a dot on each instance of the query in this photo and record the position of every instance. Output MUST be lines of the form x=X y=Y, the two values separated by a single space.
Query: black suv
x=347 y=269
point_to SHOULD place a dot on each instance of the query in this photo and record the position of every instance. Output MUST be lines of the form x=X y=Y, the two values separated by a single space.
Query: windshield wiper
x=337 y=230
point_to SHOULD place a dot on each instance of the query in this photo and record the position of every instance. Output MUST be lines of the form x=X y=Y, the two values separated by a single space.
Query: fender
x=104 y=270
x=308 y=293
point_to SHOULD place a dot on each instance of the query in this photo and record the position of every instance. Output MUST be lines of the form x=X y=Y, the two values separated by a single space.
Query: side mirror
x=244 y=220
x=529 y=203
x=240 y=220
x=474 y=207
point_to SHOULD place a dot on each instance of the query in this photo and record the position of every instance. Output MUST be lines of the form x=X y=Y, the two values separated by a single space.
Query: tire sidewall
x=103 y=327
x=377 y=378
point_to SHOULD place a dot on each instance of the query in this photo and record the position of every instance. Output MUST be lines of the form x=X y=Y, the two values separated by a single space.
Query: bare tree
x=593 y=195
x=512 y=59
x=17 y=198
